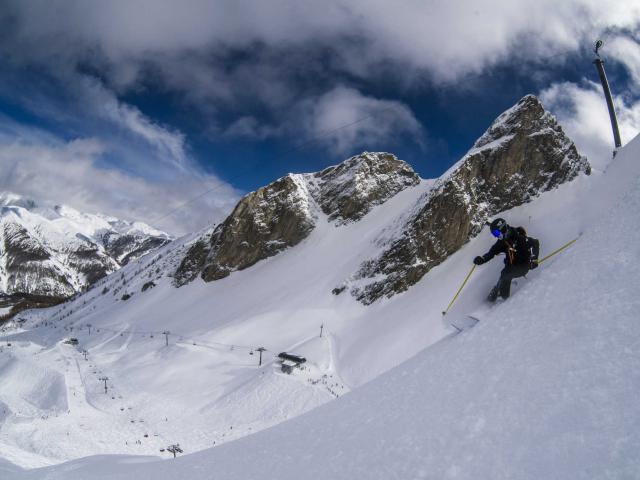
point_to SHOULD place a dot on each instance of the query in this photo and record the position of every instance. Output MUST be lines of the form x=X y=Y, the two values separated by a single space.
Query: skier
x=521 y=255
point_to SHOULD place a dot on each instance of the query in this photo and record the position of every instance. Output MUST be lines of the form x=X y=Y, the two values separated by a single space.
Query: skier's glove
x=478 y=260
x=533 y=264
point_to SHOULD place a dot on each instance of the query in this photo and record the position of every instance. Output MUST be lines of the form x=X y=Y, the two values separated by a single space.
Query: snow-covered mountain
x=527 y=393
x=522 y=154
x=284 y=213
x=53 y=251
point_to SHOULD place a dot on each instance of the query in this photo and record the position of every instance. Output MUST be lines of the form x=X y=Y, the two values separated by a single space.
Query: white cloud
x=582 y=112
x=626 y=50
x=288 y=59
x=187 y=42
x=95 y=104
x=343 y=119
x=249 y=56
x=37 y=164
x=123 y=164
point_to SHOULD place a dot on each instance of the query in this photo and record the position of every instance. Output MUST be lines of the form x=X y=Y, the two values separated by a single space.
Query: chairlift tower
x=104 y=379
x=261 y=349
x=599 y=63
x=175 y=449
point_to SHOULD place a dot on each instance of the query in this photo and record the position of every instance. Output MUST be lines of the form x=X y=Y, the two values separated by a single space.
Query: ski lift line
x=182 y=338
x=241 y=172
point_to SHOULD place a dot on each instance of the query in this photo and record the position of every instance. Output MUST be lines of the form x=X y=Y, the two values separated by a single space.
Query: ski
x=464 y=323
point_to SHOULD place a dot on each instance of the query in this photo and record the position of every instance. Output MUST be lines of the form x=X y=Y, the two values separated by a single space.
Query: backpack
x=526 y=248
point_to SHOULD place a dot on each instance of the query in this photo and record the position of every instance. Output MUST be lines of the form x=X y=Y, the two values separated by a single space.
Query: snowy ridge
x=349 y=191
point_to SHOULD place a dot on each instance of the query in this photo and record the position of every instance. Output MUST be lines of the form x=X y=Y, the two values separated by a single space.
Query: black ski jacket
x=517 y=247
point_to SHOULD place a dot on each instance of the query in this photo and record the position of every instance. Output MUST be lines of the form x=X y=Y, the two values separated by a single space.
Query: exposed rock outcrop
x=129 y=246
x=263 y=223
x=28 y=266
x=282 y=214
x=347 y=192
x=523 y=153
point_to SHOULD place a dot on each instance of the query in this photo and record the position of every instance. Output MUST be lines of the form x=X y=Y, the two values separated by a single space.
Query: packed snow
x=544 y=386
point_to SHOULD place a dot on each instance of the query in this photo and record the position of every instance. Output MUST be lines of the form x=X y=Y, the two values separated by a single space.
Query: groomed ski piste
x=544 y=386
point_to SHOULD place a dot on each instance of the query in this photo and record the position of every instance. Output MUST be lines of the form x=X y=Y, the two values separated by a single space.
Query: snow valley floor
x=542 y=387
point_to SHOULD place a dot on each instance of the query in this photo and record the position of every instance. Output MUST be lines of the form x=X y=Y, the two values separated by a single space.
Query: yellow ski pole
x=460 y=289
x=558 y=250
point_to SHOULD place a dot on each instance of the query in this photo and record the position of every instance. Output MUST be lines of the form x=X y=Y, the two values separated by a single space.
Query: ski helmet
x=498 y=228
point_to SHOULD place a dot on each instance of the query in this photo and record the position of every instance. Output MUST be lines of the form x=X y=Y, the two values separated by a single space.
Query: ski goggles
x=497 y=233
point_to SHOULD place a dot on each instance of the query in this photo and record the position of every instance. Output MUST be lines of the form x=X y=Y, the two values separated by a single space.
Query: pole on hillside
x=166 y=337
x=174 y=449
x=104 y=379
x=459 y=290
x=566 y=245
x=599 y=63
x=261 y=349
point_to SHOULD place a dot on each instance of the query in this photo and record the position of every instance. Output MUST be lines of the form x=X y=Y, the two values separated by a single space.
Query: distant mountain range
x=50 y=252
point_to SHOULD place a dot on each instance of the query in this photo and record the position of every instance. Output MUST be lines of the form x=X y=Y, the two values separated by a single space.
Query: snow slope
x=202 y=394
x=544 y=387
x=205 y=387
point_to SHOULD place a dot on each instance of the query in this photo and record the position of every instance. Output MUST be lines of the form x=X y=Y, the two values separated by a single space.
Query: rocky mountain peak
x=522 y=154
x=348 y=191
x=525 y=117
x=284 y=213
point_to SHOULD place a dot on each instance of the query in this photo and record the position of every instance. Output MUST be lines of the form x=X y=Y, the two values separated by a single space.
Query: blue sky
x=134 y=108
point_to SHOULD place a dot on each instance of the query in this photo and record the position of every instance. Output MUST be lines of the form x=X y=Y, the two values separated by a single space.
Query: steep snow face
x=523 y=153
x=545 y=386
x=56 y=251
x=283 y=213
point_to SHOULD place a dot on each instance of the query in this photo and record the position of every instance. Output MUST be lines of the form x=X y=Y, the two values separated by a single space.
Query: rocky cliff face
x=282 y=214
x=53 y=251
x=347 y=192
x=523 y=153
x=262 y=224
x=28 y=266
x=125 y=247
